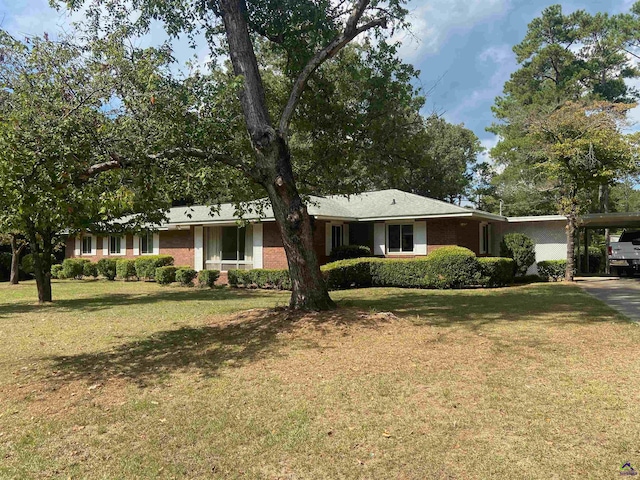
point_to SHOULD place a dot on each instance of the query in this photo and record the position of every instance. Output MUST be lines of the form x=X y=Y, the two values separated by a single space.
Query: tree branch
x=350 y=32
x=118 y=162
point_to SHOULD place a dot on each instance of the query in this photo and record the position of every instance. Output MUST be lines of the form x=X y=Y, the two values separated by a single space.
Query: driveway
x=622 y=294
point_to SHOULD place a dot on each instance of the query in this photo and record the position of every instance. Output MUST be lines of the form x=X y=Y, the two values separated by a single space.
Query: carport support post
x=586 y=249
x=578 y=266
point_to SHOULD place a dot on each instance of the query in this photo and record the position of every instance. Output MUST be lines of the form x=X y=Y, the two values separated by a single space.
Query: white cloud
x=433 y=23
x=503 y=63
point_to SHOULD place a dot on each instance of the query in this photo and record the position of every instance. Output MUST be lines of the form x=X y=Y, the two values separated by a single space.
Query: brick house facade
x=390 y=222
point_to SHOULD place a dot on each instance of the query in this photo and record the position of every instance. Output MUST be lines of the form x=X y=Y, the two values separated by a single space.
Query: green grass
x=133 y=380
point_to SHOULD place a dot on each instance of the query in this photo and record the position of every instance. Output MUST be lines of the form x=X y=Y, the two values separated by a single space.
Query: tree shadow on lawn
x=254 y=335
x=248 y=337
x=88 y=304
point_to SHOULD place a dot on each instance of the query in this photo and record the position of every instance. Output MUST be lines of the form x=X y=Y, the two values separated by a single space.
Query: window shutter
x=136 y=245
x=345 y=234
x=105 y=246
x=198 y=248
x=420 y=238
x=77 y=250
x=490 y=238
x=257 y=246
x=379 y=239
x=327 y=238
x=156 y=243
x=94 y=246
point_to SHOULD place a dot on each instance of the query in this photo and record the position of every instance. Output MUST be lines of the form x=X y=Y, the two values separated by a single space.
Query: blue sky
x=461 y=47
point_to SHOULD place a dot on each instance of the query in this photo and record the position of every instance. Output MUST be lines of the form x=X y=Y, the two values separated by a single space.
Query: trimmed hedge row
x=448 y=267
x=146 y=266
x=345 y=252
x=260 y=278
x=552 y=269
x=126 y=269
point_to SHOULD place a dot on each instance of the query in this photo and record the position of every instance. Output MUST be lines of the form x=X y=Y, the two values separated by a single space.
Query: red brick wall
x=178 y=244
x=273 y=255
x=447 y=232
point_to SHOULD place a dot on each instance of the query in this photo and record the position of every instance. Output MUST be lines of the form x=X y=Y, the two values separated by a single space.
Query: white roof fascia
x=171 y=226
x=537 y=218
x=416 y=217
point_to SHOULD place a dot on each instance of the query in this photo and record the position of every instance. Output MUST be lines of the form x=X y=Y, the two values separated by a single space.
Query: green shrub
x=90 y=269
x=73 y=267
x=552 y=269
x=107 y=267
x=452 y=267
x=185 y=276
x=402 y=273
x=146 y=265
x=521 y=248
x=261 y=278
x=56 y=271
x=27 y=264
x=530 y=279
x=125 y=269
x=207 y=278
x=352 y=273
x=496 y=271
x=345 y=252
x=166 y=275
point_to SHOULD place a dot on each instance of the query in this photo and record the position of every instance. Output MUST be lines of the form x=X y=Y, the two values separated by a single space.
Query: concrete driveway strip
x=622 y=294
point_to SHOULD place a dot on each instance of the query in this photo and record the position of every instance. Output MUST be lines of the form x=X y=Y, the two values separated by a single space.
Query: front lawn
x=133 y=380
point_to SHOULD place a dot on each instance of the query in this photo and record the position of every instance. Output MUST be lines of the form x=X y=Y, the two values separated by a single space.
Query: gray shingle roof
x=381 y=204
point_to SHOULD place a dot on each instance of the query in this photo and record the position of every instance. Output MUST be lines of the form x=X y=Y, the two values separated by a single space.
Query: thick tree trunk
x=273 y=168
x=309 y=291
x=571 y=236
x=42 y=266
x=14 y=277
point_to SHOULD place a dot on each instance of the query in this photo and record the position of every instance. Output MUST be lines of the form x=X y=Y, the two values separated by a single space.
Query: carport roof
x=616 y=219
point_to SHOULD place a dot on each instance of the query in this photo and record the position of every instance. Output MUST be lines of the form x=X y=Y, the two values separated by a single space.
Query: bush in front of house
x=186 y=276
x=402 y=273
x=147 y=264
x=166 y=275
x=125 y=269
x=345 y=252
x=353 y=273
x=452 y=267
x=521 y=248
x=552 y=269
x=107 y=267
x=496 y=271
x=74 y=267
x=90 y=269
x=56 y=271
x=261 y=278
x=207 y=278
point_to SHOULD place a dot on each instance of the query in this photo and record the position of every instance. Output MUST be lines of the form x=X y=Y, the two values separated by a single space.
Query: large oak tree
x=307 y=34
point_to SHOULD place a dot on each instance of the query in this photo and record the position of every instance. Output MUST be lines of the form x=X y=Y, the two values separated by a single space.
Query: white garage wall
x=549 y=238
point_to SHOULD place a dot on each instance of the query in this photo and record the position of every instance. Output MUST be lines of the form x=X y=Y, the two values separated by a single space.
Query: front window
x=146 y=243
x=485 y=240
x=229 y=247
x=400 y=238
x=87 y=245
x=336 y=236
x=115 y=245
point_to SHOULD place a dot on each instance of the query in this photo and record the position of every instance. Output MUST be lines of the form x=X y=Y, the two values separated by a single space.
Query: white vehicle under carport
x=624 y=255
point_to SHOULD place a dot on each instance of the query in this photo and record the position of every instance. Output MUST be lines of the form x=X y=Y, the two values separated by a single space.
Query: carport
x=590 y=223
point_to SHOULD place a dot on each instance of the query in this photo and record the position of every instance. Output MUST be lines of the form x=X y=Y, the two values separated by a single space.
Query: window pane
x=394 y=238
x=336 y=236
x=407 y=238
x=115 y=245
x=229 y=243
x=144 y=246
x=86 y=245
x=150 y=246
